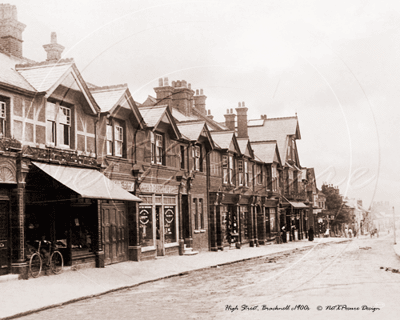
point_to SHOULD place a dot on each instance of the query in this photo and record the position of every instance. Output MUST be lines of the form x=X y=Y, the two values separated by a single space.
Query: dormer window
x=157 y=148
x=115 y=138
x=197 y=158
x=65 y=123
x=58 y=125
x=119 y=140
x=2 y=119
x=109 y=136
x=241 y=173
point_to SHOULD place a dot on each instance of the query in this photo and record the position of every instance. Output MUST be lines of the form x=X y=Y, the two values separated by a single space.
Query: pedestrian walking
x=284 y=234
x=311 y=234
x=350 y=233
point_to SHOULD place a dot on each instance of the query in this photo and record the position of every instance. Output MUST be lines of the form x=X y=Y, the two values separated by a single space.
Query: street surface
x=345 y=279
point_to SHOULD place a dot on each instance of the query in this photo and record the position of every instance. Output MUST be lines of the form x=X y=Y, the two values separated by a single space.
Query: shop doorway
x=4 y=238
x=160 y=231
x=115 y=232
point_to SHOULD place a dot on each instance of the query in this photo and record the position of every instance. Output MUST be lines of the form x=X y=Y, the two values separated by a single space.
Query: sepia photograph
x=166 y=159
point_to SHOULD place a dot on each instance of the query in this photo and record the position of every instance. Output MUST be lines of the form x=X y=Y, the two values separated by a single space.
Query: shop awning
x=298 y=205
x=88 y=183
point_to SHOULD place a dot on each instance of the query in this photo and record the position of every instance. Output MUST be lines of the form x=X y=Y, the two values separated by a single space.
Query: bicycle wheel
x=35 y=265
x=56 y=262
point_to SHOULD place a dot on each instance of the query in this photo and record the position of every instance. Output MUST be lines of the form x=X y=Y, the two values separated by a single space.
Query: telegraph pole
x=394 y=226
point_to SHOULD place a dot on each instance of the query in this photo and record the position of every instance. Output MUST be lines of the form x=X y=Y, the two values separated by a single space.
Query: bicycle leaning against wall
x=54 y=259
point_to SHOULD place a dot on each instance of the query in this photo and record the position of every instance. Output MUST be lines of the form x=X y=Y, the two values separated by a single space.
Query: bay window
x=246 y=174
x=225 y=166
x=241 y=173
x=231 y=169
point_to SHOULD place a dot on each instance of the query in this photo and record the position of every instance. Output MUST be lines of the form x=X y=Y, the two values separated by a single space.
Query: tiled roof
x=265 y=150
x=222 y=138
x=191 y=130
x=179 y=116
x=150 y=101
x=275 y=129
x=42 y=76
x=9 y=75
x=108 y=97
x=255 y=122
x=213 y=125
x=243 y=142
x=152 y=115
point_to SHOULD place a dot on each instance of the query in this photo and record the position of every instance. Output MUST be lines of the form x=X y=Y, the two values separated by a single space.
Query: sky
x=333 y=63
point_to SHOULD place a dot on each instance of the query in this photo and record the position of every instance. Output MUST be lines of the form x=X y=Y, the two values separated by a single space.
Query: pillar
x=99 y=243
x=213 y=224
x=239 y=221
x=181 y=240
x=135 y=249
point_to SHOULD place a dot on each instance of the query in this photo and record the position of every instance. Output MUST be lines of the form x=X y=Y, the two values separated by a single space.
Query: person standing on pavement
x=283 y=234
x=311 y=234
x=350 y=233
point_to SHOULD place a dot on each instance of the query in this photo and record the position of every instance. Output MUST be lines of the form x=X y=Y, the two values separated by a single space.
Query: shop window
x=170 y=224
x=2 y=118
x=146 y=226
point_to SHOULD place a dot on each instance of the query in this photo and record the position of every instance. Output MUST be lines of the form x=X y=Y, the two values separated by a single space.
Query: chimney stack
x=241 y=111
x=11 y=30
x=53 y=49
x=200 y=102
x=164 y=92
x=230 y=119
x=209 y=115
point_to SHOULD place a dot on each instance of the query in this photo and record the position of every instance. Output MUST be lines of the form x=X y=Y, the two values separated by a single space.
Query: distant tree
x=335 y=205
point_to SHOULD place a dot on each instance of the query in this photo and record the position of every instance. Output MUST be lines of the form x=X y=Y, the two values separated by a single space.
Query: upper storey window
x=115 y=138
x=58 y=125
x=197 y=158
x=2 y=118
x=157 y=148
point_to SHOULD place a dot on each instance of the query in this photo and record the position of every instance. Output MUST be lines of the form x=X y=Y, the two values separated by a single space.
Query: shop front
x=158 y=220
x=80 y=210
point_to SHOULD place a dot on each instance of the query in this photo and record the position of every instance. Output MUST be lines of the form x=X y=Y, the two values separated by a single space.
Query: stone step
x=190 y=253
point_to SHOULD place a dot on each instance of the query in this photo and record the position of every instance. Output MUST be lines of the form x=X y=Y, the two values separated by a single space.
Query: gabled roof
x=213 y=125
x=245 y=147
x=154 y=115
x=194 y=131
x=275 y=129
x=150 y=101
x=267 y=151
x=226 y=140
x=9 y=76
x=109 y=98
x=47 y=76
x=180 y=117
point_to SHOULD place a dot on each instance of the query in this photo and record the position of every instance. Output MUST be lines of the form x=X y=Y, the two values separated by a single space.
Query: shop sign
x=158 y=188
x=169 y=216
x=126 y=185
x=144 y=216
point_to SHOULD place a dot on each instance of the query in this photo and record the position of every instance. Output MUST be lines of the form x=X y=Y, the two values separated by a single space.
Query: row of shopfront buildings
x=109 y=179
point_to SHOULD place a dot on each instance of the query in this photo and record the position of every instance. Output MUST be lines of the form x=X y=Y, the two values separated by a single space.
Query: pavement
x=23 y=297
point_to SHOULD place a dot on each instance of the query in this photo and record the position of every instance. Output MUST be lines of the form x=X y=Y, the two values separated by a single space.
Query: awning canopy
x=298 y=205
x=88 y=183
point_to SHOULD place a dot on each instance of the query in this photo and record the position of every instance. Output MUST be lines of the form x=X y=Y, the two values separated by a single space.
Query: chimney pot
x=197 y=92
x=239 y=105
x=227 y=111
x=184 y=83
x=231 y=110
x=243 y=104
x=201 y=91
x=166 y=82
x=189 y=86
x=53 y=37
x=54 y=50
x=160 y=82
x=173 y=83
